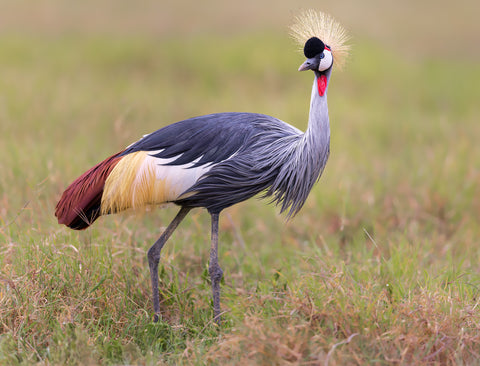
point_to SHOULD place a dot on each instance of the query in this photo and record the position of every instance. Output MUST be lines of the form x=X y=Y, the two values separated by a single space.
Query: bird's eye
x=322 y=55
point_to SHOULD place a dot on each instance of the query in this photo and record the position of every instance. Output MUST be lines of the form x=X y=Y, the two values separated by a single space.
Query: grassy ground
x=381 y=266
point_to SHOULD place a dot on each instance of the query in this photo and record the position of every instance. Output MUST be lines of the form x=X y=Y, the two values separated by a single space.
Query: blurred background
x=422 y=28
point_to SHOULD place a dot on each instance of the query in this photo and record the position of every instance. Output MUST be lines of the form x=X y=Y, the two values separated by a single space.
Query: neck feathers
x=316 y=140
x=296 y=179
x=318 y=132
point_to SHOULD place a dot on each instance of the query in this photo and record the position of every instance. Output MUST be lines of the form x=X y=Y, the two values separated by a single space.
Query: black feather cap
x=314 y=46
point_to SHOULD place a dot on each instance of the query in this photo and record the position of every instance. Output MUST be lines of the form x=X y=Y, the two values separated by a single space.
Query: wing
x=163 y=165
x=200 y=140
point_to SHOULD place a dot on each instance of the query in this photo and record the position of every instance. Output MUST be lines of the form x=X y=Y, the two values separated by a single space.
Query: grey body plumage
x=250 y=154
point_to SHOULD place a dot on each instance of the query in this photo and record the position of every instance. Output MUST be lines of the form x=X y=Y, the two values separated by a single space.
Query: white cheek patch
x=326 y=62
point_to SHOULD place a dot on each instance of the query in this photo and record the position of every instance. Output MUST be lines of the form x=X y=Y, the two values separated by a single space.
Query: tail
x=80 y=204
x=119 y=183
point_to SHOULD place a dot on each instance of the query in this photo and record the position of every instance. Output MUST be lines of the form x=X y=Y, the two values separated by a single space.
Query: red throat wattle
x=322 y=84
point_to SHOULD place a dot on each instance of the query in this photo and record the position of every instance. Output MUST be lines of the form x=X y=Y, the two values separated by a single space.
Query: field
x=382 y=265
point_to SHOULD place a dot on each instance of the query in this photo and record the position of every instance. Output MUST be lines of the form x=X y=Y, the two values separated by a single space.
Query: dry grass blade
x=330 y=352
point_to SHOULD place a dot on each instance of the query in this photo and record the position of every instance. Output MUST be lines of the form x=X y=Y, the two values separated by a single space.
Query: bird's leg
x=215 y=271
x=154 y=257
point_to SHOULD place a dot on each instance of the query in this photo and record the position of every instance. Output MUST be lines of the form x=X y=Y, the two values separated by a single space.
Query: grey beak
x=307 y=65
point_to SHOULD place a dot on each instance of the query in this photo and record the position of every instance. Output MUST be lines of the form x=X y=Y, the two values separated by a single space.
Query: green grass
x=380 y=267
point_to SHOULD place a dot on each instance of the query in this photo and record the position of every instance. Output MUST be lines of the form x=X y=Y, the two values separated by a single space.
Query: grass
x=380 y=267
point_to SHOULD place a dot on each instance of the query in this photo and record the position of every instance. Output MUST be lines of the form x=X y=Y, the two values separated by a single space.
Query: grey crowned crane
x=217 y=160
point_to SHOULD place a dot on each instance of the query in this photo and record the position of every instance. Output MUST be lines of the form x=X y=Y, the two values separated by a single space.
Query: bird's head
x=319 y=56
x=323 y=39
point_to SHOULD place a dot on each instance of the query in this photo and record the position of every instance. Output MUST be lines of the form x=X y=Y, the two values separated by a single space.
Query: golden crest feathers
x=310 y=23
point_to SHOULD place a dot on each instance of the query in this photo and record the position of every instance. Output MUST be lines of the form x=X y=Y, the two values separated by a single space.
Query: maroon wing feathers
x=79 y=205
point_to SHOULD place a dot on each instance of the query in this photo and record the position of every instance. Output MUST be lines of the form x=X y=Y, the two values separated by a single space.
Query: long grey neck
x=317 y=136
x=304 y=161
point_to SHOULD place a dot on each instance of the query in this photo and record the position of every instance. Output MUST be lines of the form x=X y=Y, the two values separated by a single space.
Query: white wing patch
x=178 y=178
x=140 y=179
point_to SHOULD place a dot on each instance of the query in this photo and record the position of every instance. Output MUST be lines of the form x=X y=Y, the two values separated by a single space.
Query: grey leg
x=154 y=257
x=215 y=271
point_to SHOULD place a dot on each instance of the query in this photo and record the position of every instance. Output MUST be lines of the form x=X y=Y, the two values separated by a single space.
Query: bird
x=217 y=160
